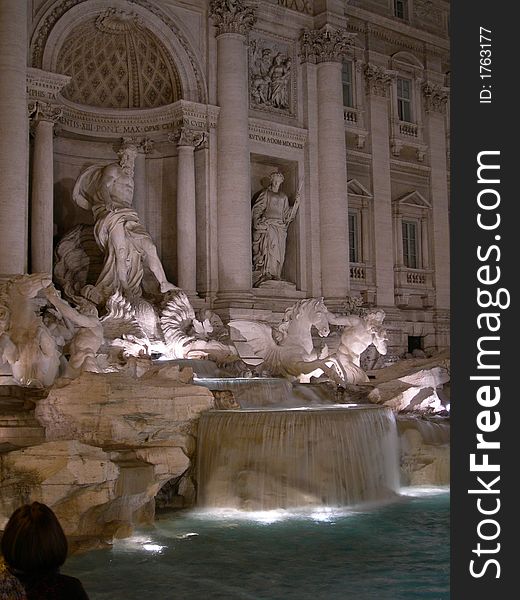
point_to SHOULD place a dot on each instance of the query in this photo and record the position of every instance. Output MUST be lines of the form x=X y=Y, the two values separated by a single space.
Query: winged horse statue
x=287 y=350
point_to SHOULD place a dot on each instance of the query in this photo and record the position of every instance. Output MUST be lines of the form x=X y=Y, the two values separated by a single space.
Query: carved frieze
x=232 y=16
x=156 y=122
x=280 y=135
x=271 y=76
x=435 y=97
x=327 y=44
x=378 y=80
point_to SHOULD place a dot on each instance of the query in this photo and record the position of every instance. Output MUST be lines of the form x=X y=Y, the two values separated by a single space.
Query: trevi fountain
x=271 y=439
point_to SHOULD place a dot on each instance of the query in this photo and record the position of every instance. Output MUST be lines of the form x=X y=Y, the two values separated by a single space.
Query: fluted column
x=186 y=140
x=144 y=147
x=326 y=48
x=378 y=82
x=233 y=21
x=14 y=138
x=44 y=116
x=436 y=97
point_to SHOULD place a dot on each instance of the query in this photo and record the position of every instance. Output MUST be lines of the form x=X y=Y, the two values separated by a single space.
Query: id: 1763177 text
x=485 y=95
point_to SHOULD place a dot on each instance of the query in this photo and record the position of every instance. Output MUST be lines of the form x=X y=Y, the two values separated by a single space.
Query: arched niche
x=61 y=18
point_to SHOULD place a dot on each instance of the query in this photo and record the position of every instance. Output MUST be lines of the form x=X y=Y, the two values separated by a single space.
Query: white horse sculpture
x=287 y=350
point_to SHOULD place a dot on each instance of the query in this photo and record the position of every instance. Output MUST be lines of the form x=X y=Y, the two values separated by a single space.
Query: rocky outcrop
x=416 y=385
x=424 y=450
x=111 y=442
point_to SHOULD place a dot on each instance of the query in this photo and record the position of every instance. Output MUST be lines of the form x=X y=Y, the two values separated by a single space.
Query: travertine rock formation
x=112 y=441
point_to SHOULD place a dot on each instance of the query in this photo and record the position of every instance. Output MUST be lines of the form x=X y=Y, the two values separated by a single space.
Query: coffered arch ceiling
x=121 y=54
x=116 y=62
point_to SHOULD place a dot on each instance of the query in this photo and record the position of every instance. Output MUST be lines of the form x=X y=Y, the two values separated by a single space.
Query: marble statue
x=279 y=75
x=287 y=350
x=108 y=191
x=185 y=336
x=271 y=216
x=358 y=333
x=26 y=343
x=86 y=334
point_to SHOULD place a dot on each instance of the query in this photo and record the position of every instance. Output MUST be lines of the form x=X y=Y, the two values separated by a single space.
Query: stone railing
x=408 y=129
x=413 y=278
x=357 y=272
x=350 y=115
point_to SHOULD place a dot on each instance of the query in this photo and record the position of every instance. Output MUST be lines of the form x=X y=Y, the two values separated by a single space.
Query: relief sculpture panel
x=271 y=76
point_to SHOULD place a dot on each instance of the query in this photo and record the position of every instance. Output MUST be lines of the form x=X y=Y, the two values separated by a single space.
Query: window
x=346 y=80
x=404 y=99
x=415 y=342
x=401 y=9
x=410 y=254
x=353 y=237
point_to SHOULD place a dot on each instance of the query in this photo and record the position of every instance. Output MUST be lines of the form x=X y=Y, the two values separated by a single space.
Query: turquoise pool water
x=399 y=551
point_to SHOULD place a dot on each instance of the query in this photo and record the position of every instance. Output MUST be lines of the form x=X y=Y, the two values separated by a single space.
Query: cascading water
x=289 y=458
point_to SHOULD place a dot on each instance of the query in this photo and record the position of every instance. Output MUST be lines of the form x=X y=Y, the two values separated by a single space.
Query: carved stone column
x=326 y=47
x=44 y=115
x=378 y=82
x=435 y=98
x=145 y=147
x=186 y=140
x=233 y=22
x=14 y=140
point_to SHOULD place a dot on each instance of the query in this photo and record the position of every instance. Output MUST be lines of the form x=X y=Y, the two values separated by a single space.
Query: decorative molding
x=355 y=188
x=232 y=16
x=44 y=85
x=117 y=21
x=327 y=44
x=378 y=80
x=436 y=97
x=275 y=133
x=415 y=199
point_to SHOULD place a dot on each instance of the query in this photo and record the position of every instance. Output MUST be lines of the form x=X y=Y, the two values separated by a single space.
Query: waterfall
x=269 y=459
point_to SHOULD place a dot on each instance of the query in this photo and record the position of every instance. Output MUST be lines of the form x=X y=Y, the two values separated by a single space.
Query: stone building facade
x=349 y=100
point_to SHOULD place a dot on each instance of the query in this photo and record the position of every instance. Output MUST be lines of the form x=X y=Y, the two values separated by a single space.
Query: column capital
x=327 y=44
x=378 y=80
x=185 y=136
x=232 y=16
x=436 y=97
x=40 y=110
x=144 y=145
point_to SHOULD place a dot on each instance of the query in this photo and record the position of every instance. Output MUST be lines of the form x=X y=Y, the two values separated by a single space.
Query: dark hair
x=34 y=540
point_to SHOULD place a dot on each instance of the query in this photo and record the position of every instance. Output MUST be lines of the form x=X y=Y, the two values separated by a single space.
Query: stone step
x=22 y=436
x=18 y=425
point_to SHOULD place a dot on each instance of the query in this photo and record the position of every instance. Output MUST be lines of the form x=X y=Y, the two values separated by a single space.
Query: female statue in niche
x=271 y=216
